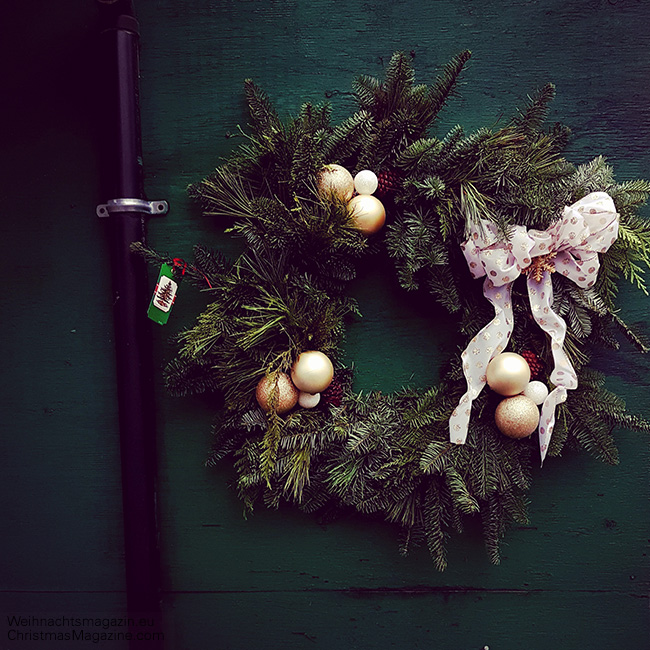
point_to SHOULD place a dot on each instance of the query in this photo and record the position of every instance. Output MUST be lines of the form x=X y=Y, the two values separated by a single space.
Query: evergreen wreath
x=390 y=455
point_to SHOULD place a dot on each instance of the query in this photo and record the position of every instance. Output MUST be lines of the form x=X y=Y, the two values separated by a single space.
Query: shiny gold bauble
x=517 y=417
x=312 y=372
x=276 y=392
x=336 y=180
x=368 y=213
x=508 y=374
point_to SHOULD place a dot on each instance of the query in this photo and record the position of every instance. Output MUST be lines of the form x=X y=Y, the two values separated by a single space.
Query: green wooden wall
x=576 y=578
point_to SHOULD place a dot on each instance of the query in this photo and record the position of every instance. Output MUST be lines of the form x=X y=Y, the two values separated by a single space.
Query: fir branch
x=632 y=336
x=460 y=493
x=399 y=80
x=421 y=152
x=264 y=117
x=434 y=522
x=271 y=439
x=347 y=138
x=532 y=118
x=445 y=84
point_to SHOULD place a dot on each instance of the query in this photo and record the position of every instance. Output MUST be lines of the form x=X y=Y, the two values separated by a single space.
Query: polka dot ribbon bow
x=569 y=246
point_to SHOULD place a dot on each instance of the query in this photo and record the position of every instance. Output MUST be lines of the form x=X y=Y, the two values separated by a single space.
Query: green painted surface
x=281 y=579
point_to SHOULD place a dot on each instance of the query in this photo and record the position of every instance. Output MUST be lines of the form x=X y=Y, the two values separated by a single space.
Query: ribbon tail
x=459 y=420
x=547 y=419
x=489 y=342
x=563 y=376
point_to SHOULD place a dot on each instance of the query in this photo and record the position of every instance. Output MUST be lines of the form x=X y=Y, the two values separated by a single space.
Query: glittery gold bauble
x=368 y=213
x=276 y=392
x=336 y=180
x=312 y=372
x=508 y=374
x=517 y=417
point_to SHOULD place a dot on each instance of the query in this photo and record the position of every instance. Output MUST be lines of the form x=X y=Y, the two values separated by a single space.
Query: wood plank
x=445 y=620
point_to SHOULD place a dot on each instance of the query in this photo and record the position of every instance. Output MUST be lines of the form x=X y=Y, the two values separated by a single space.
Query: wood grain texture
x=448 y=620
x=281 y=579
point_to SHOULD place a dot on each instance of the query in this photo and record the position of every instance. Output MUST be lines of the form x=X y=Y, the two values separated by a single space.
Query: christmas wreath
x=308 y=199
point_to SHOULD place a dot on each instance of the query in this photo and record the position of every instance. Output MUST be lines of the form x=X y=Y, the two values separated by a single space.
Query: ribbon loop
x=569 y=246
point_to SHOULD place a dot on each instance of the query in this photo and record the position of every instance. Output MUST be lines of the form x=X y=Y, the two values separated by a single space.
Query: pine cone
x=333 y=394
x=388 y=182
x=535 y=363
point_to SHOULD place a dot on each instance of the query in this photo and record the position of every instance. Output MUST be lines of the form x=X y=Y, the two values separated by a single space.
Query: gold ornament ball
x=276 y=392
x=312 y=372
x=517 y=417
x=368 y=213
x=336 y=180
x=508 y=374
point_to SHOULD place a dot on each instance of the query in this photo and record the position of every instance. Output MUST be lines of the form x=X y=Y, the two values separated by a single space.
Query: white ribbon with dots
x=572 y=244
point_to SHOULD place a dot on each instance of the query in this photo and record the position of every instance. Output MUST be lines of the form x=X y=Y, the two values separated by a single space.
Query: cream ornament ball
x=368 y=213
x=307 y=400
x=508 y=374
x=336 y=180
x=366 y=182
x=276 y=392
x=517 y=417
x=312 y=372
x=536 y=391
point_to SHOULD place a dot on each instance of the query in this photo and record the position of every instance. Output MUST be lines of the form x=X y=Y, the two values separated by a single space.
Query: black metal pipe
x=122 y=163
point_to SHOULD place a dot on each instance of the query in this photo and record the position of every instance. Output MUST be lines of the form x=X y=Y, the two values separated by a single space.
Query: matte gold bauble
x=312 y=372
x=336 y=180
x=508 y=374
x=517 y=417
x=276 y=392
x=368 y=213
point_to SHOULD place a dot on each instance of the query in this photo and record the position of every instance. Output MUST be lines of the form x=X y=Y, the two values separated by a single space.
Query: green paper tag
x=164 y=296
